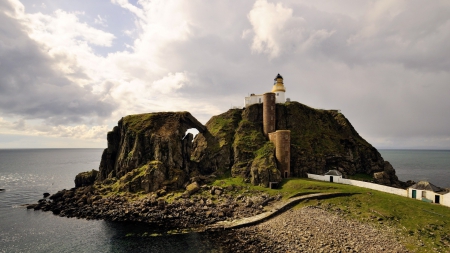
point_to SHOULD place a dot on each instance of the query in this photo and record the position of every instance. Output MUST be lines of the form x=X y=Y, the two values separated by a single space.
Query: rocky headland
x=153 y=172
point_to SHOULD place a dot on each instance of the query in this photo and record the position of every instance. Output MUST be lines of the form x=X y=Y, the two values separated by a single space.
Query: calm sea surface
x=26 y=174
x=417 y=165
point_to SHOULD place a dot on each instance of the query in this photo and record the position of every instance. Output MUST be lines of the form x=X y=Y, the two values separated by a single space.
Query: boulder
x=192 y=188
x=86 y=178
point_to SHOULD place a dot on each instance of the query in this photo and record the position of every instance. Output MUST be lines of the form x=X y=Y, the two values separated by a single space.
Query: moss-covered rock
x=320 y=140
x=264 y=167
x=212 y=149
x=151 y=150
x=86 y=178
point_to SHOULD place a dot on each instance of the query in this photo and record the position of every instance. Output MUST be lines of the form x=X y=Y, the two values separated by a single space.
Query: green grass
x=138 y=122
x=266 y=150
x=415 y=221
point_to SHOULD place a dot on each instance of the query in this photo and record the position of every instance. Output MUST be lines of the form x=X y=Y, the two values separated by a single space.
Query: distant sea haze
x=417 y=165
x=27 y=173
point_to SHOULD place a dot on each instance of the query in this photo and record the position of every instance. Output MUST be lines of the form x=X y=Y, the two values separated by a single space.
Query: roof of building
x=425 y=185
x=334 y=173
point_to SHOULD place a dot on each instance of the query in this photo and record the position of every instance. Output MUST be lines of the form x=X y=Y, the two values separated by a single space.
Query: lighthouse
x=279 y=90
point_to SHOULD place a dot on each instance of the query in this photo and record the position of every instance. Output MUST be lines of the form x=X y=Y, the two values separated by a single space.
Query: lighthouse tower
x=279 y=90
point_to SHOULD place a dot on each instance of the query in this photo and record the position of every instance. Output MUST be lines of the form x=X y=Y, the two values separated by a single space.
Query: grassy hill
x=420 y=226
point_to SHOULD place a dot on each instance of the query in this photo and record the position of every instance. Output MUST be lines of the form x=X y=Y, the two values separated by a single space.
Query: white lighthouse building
x=278 y=88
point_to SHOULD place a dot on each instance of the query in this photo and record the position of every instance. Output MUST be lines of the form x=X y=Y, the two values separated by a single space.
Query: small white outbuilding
x=429 y=192
x=333 y=176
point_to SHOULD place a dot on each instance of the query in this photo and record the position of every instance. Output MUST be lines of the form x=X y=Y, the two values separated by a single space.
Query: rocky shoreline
x=165 y=211
x=309 y=229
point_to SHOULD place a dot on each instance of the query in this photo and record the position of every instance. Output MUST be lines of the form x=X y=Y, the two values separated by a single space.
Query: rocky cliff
x=148 y=152
x=320 y=140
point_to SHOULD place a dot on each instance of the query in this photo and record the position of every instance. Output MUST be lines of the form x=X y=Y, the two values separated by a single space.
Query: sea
x=25 y=174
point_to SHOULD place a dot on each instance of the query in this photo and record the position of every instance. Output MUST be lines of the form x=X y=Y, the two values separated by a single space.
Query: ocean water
x=417 y=165
x=27 y=174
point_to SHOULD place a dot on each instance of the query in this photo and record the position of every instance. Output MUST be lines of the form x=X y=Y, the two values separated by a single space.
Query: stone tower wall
x=282 y=141
x=269 y=112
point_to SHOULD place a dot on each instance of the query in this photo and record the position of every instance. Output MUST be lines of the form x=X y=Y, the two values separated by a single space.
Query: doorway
x=331 y=179
x=436 y=199
x=414 y=194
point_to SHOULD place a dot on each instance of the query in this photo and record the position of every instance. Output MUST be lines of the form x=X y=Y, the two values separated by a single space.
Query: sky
x=69 y=70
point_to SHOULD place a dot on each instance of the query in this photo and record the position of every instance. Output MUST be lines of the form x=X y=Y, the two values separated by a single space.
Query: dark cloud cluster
x=32 y=87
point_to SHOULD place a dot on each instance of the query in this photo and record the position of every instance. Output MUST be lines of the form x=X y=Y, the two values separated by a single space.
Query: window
x=278 y=94
x=260 y=100
x=271 y=107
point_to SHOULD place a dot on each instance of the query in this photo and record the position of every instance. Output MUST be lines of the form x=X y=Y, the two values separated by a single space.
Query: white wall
x=378 y=187
x=279 y=97
x=445 y=199
x=316 y=177
x=255 y=99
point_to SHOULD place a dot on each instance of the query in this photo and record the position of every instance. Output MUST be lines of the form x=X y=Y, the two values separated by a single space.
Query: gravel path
x=309 y=229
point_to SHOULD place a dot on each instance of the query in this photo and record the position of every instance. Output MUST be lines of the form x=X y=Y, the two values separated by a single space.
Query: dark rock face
x=148 y=152
x=320 y=140
x=151 y=149
x=85 y=178
x=213 y=149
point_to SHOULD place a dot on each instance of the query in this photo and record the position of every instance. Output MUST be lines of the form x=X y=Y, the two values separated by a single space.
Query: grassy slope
x=414 y=221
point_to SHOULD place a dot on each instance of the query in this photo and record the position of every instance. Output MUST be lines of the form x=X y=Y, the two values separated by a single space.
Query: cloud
x=101 y=21
x=268 y=20
x=33 y=80
x=379 y=61
x=171 y=82
x=276 y=30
